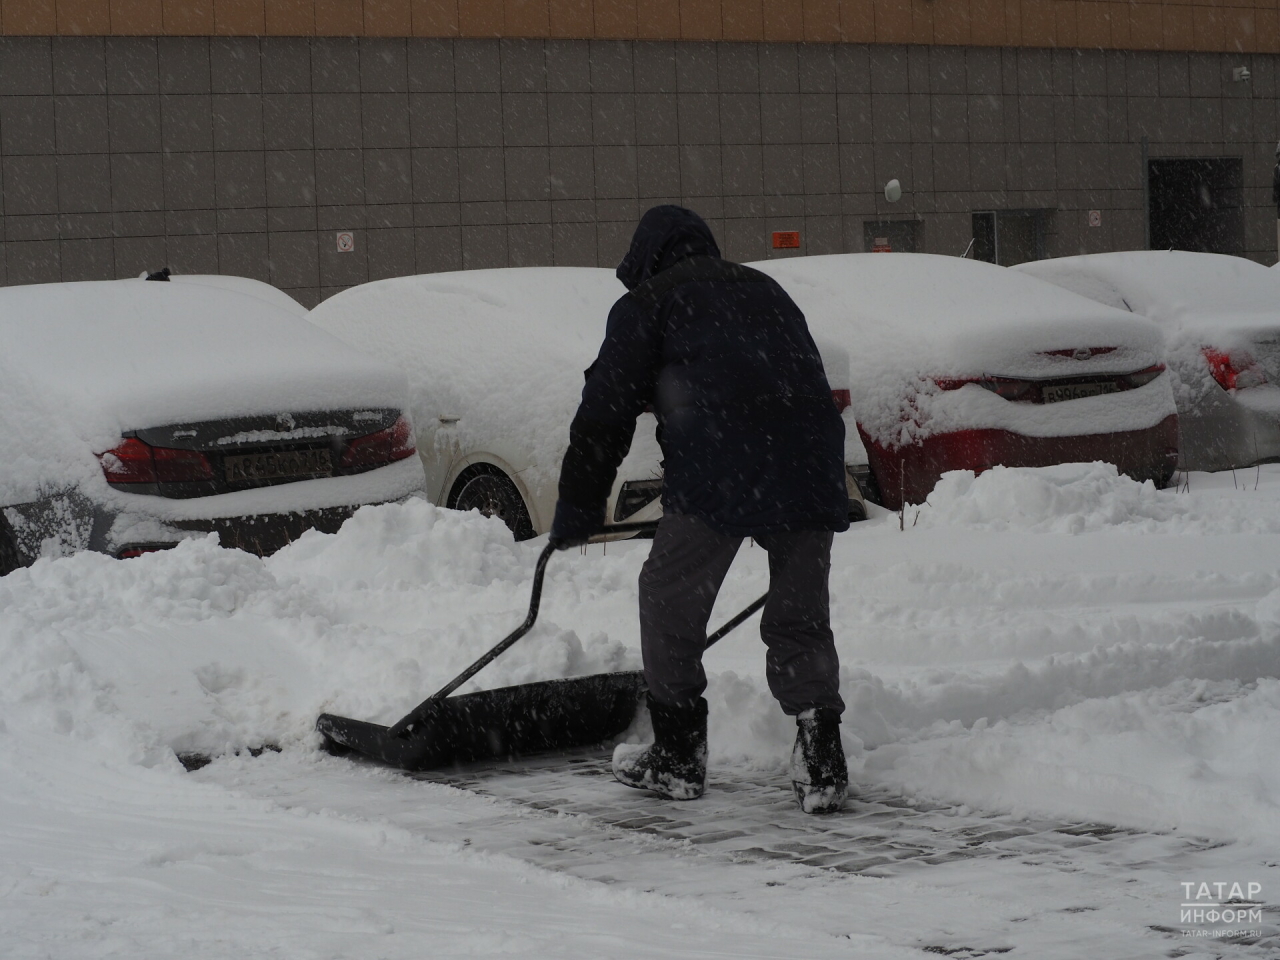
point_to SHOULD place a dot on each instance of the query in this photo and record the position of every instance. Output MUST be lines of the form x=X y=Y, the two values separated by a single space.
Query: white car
x=495 y=360
x=963 y=365
x=1220 y=316
x=137 y=414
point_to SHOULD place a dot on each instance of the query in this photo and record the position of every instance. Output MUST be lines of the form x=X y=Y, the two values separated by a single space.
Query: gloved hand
x=573 y=526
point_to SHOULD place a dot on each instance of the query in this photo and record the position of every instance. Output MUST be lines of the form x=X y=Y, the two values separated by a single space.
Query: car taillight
x=1234 y=371
x=1143 y=377
x=130 y=462
x=136 y=462
x=385 y=446
x=841 y=399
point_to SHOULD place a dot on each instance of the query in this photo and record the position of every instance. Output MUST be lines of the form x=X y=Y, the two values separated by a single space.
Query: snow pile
x=1186 y=756
x=1073 y=498
x=210 y=650
x=908 y=320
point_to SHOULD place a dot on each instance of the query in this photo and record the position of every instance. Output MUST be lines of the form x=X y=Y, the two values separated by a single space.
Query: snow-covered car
x=136 y=414
x=963 y=365
x=495 y=360
x=1220 y=317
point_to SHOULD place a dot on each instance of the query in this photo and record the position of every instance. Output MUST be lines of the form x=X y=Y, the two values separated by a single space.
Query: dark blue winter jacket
x=750 y=437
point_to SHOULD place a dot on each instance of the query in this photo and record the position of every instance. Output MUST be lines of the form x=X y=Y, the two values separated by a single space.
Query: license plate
x=286 y=464
x=1056 y=393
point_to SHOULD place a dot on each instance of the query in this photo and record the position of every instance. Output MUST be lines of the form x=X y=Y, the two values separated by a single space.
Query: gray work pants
x=678 y=586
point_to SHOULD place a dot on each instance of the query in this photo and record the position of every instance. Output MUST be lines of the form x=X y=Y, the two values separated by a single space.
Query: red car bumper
x=907 y=474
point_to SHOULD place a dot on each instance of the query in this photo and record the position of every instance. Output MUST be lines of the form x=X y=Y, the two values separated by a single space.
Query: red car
x=963 y=365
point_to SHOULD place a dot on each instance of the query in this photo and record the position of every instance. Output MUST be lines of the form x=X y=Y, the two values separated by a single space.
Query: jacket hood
x=666 y=235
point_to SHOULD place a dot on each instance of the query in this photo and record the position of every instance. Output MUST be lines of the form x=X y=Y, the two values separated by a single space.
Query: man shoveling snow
x=753 y=447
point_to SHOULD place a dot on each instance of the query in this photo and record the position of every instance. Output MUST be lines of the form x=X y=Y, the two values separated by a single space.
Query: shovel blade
x=509 y=722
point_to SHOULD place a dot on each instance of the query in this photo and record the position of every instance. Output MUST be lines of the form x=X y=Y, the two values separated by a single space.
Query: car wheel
x=486 y=488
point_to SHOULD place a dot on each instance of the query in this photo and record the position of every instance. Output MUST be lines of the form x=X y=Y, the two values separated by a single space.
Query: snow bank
x=910 y=319
x=1074 y=498
x=1058 y=640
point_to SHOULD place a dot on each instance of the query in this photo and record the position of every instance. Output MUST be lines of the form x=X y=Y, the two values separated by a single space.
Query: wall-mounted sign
x=881 y=245
x=1095 y=218
x=346 y=241
x=786 y=239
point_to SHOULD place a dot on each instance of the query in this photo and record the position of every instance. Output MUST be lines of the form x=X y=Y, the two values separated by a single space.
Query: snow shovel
x=510 y=721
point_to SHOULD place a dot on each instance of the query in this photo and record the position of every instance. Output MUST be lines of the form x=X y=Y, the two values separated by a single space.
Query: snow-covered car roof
x=507 y=346
x=111 y=356
x=245 y=285
x=921 y=314
x=1205 y=294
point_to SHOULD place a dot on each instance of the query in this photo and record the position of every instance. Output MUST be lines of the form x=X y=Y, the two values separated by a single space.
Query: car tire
x=485 y=488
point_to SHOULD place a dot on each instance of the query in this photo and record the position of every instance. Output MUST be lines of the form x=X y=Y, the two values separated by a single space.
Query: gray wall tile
x=285 y=67
x=611 y=66
x=240 y=179
x=524 y=66
x=84 y=183
x=430 y=65
x=568 y=66
x=384 y=65
x=335 y=65
x=480 y=174
x=183 y=64
x=384 y=119
x=290 y=178
x=571 y=173
x=697 y=68
x=186 y=122
x=27 y=125
x=237 y=121
x=437 y=249
x=524 y=119
x=658 y=171
x=189 y=181
x=137 y=182
x=738 y=67
x=527 y=173
x=135 y=123
x=287 y=121
x=432 y=121
x=529 y=245
x=435 y=175
x=477 y=66
x=479 y=119
x=79 y=66
x=339 y=177
x=654 y=63
x=336 y=121
x=132 y=65
x=699 y=117
x=569 y=119
x=87 y=260
x=26 y=66
x=295 y=259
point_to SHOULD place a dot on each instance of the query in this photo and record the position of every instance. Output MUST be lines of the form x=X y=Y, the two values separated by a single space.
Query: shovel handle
x=406 y=723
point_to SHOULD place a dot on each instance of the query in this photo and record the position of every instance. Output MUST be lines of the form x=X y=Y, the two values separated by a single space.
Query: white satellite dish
x=893 y=191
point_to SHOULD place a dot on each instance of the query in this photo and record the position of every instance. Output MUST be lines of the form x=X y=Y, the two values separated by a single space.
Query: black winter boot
x=675 y=764
x=819 y=773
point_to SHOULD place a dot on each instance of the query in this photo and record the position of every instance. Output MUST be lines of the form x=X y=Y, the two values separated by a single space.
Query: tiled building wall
x=1249 y=26
x=247 y=156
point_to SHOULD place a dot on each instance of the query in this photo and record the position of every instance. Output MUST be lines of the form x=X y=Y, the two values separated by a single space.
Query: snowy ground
x=1062 y=710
